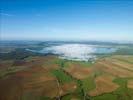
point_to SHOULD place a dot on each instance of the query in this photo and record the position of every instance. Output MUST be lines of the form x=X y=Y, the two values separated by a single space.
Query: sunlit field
x=90 y=72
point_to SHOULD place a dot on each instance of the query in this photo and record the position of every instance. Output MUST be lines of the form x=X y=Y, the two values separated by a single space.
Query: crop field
x=49 y=77
x=78 y=71
x=104 y=84
x=115 y=68
x=130 y=84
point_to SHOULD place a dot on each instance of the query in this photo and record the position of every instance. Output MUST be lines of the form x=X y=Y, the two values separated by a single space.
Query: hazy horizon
x=71 y=40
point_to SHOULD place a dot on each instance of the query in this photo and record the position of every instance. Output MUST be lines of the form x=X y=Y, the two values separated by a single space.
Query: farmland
x=32 y=76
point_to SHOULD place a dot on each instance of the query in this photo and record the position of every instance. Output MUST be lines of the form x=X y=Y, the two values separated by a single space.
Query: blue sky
x=104 y=20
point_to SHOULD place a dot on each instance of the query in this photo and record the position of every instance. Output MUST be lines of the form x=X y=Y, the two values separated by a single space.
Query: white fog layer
x=80 y=52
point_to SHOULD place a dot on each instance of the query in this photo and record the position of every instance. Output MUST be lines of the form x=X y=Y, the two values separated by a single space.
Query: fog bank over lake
x=78 y=52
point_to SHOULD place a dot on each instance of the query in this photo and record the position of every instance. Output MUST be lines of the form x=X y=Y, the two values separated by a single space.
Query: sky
x=97 y=20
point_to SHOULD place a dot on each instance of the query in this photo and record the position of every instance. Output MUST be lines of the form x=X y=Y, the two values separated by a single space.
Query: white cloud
x=5 y=14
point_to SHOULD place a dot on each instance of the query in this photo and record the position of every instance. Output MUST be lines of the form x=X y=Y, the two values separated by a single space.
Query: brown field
x=5 y=64
x=33 y=81
x=32 y=78
x=115 y=68
x=10 y=89
x=68 y=87
x=78 y=71
x=45 y=59
x=47 y=62
x=50 y=66
x=130 y=84
x=48 y=88
x=108 y=66
x=126 y=58
x=36 y=80
x=121 y=64
x=104 y=84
